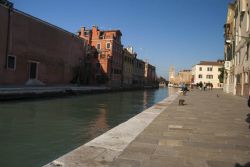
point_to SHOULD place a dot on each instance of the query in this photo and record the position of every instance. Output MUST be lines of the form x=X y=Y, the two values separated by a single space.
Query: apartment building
x=237 y=63
x=138 y=73
x=128 y=66
x=207 y=72
x=110 y=49
x=149 y=74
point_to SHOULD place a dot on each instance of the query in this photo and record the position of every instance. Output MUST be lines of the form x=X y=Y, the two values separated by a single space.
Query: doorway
x=33 y=70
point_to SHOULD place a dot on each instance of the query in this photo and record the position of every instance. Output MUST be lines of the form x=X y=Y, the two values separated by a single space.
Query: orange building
x=110 y=49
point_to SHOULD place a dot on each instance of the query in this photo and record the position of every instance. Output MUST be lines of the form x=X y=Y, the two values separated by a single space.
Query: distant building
x=207 y=72
x=171 y=75
x=128 y=66
x=138 y=73
x=110 y=49
x=149 y=74
x=185 y=76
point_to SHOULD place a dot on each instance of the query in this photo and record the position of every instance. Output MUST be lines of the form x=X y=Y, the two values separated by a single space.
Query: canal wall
x=20 y=93
x=103 y=150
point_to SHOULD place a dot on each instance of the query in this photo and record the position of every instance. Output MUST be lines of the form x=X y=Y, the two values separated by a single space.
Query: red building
x=110 y=49
x=33 y=51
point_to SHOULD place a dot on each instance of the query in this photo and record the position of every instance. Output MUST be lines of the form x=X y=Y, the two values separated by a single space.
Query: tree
x=221 y=76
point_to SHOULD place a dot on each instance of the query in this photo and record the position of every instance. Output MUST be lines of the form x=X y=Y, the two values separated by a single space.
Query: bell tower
x=171 y=74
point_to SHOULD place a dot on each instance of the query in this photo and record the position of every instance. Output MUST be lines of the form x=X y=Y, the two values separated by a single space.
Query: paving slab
x=209 y=131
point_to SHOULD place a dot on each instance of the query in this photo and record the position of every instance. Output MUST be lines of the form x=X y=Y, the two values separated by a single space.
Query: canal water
x=33 y=133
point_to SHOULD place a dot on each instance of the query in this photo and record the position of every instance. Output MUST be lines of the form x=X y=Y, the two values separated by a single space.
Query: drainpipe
x=10 y=6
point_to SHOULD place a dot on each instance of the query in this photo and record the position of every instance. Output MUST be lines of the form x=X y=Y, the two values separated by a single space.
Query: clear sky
x=165 y=32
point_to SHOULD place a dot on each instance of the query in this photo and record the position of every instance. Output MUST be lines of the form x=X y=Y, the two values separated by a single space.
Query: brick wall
x=56 y=50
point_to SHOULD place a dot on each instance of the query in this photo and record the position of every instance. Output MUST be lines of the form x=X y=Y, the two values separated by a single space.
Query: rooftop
x=185 y=70
x=213 y=63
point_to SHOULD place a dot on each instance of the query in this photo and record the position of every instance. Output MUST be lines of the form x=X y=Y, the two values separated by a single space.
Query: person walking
x=201 y=86
x=204 y=86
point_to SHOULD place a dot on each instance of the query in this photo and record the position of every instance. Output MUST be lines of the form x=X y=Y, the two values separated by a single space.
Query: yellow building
x=128 y=66
x=183 y=77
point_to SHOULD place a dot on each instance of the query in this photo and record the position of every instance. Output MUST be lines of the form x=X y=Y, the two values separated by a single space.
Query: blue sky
x=165 y=32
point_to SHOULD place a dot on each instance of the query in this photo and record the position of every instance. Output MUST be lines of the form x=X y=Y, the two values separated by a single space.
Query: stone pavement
x=209 y=131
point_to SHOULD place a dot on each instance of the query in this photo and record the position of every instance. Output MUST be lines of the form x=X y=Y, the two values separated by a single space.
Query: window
x=246 y=77
x=11 y=62
x=235 y=59
x=86 y=33
x=238 y=78
x=102 y=56
x=247 y=53
x=200 y=68
x=98 y=46
x=209 y=69
x=200 y=76
x=108 y=45
x=209 y=76
x=238 y=57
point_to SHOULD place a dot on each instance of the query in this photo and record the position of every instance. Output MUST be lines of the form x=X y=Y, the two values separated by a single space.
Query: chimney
x=82 y=31
x=94 y=27
x=95 y=32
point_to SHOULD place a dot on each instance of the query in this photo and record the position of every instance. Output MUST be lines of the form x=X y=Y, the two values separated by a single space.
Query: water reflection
x=32 y=133
x=100 y=124
x=145 y=99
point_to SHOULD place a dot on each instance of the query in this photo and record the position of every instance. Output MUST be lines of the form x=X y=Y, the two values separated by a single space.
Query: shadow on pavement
x=248 y=115
x=239 y=165
x=248 y=119
x=248 y=103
